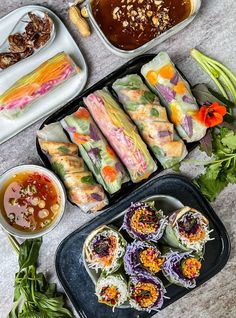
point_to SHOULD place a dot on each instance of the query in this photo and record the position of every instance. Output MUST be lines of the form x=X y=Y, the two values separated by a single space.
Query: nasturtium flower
x=212 y=115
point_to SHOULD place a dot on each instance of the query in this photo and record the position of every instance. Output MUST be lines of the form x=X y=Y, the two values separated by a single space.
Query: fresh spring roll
x=146 y=292
x=36 y=84
x=144 y=222
x=187 y=229
x=112 y=290
x=151 y=119
x=94 y=149
x=175 y=93
x=121 y=134
x=81 y=188
x=104 y=249
x=181 y=268
x=141 y=257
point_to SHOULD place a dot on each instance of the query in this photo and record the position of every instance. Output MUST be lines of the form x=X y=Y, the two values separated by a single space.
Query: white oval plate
x=58 y=97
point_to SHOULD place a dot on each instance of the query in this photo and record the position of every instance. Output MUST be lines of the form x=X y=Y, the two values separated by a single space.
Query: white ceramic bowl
x=33 y=168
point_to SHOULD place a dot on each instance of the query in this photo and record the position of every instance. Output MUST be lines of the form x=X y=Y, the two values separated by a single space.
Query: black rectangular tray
x=131 y=67
x=76 y=281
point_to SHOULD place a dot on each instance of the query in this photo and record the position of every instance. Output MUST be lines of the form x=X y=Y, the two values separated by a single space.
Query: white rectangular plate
x=60 y=95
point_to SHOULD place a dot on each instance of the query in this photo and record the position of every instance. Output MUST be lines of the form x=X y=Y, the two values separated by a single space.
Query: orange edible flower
x=109 y=173
x=82 y=113
x=211 y=115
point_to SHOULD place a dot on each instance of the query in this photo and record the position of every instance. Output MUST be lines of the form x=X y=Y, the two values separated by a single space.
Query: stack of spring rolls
x=130 y=273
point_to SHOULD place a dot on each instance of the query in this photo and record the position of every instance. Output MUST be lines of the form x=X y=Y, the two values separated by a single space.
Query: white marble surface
x=213 y=32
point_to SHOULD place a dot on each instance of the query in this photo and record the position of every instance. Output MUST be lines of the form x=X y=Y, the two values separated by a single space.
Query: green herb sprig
x=34 y=297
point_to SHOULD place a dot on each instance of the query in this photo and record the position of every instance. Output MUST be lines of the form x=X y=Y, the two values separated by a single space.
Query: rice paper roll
x=146 y=292
x=94 y=149
x=104 y=249
x=36 y=84
x=81 y=187
x=121 y=134
x=151 y=119
x=181 y=268
x=144 y=222
x=112 y=290
x=142 y=257
x=187 y=229
x=166 y=81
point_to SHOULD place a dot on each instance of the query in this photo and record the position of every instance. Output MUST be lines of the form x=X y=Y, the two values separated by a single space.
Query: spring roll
x=144 y=222
x=181 y=268
x=112 y=290
x=94 y=149
x=146 y=292
x=187 y=229
x=36 y=84
x=141 y=257
x=121 y=134
x=151 y=119
x=104 y=249
x=165 y=80
x=81 y=188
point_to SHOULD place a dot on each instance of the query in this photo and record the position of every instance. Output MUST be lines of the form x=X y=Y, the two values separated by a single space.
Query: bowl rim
x=60 y=187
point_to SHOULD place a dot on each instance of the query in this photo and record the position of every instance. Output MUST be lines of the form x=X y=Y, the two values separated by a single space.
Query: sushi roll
x=63 y=156
x=121 y=134
x=187 y=229
x=94 y=149
x=141 y=257
x=146 y=292
x=166 y=81
x=36 y=84
x=145 y=110
x=112 y=290
x=104 y=249
x=181 y=268
x=144 y=222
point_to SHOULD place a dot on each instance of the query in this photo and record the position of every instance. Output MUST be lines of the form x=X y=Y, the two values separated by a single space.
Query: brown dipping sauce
x=128 y=24
x=29 y=201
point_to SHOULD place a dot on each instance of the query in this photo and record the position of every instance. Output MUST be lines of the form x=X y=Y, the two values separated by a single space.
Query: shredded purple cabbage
x=174 y=80
x=188 y=99
x=96 y=196
x=164 y=133
x=94 y=132
x=71 y=129
x=167 y=92
x=188 y=125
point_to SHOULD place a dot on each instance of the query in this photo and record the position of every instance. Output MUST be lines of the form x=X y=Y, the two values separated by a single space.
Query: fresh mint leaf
x=63 y=149
x=154 y=112
x=88 y=180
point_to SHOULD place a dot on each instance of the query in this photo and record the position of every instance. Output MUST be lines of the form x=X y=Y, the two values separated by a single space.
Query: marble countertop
x=213 y=32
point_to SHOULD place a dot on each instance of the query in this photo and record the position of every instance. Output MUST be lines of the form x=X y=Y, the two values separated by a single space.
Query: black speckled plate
x=75 y=279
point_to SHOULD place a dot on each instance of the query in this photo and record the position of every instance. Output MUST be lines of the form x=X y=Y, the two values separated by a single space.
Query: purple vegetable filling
x=188 y=99
x=94 y=132
x=96 y=196
x=166 y=92
x=101 y=245
x=174 y=80
x=164 y=133
x=188 y=224
x=188 y=125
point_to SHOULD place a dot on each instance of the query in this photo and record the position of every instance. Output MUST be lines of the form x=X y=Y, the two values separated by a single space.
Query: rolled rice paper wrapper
x=104 y=249
x=146 y=292
x=165 y=80
x=81 y=188
x=144 y=222
x=145 y=110
x=187 y=229
x=36 y=84
x=142 y=257
x=121 y=134
x=94 y=149
x=112 y=290
x=181 y=268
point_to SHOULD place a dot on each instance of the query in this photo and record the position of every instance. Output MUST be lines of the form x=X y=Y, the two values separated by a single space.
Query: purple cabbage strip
x=71 y=129
x=94 y=132
x=174 y=80
x=164 y=133
x=167 y=92
x=96 y=196
x=188 y=125
x=188 y=99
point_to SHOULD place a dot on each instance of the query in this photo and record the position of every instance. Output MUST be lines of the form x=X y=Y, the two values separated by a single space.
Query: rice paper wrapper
x=146 y=278
x=170 y=269
x=113 y=280
x=98 y=247
x=133 y=263
x=94 y=149
x=145 y=110
x=165 y=80
x=159 y=222
x=121 y=134
x=173 y=237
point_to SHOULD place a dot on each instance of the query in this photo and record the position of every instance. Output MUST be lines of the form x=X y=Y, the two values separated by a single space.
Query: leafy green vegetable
x=34 y=297
x=154 y=112
x=88 y=179
x=147 y=97
x=222 y=169
x=63 y=149
x=58 y=168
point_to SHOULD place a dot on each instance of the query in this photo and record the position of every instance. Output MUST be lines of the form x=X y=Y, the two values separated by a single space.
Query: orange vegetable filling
x=180 y=88
x=191 y=267
x=82 y=113
x=110 y=295
x=145 y=294
x=151 y=260
x=80 y=139
x=108 y=258
x=176 y=114
x=152 y=77
x=109 y=173
x=167 y=71
x=144 y=220
x=110 y=151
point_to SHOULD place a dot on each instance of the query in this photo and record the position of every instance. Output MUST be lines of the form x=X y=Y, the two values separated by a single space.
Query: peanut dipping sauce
x=128 y=24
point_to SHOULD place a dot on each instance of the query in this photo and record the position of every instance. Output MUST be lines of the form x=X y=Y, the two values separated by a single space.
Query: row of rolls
x=112 y=140
x=161 y=250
